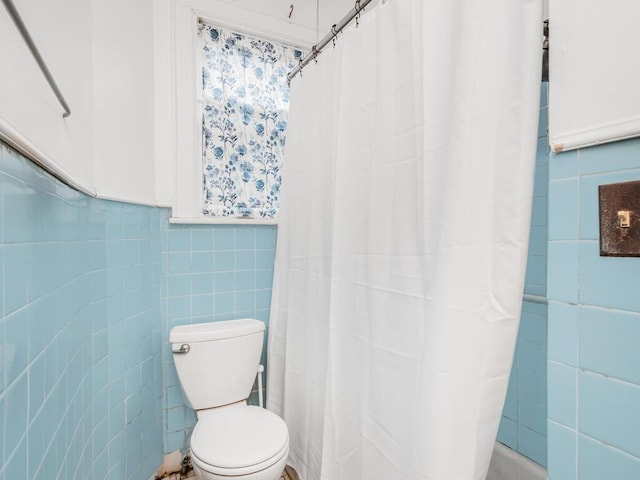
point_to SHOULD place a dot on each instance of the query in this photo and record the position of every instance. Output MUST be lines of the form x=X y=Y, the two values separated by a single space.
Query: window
x=245 y=101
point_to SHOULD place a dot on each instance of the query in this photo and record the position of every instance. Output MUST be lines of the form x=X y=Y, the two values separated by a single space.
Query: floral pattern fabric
x=244 y=122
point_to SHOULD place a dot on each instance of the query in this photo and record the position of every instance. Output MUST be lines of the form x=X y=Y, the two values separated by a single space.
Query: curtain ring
x=334 y=32
x=314 y=52
x=358 y=10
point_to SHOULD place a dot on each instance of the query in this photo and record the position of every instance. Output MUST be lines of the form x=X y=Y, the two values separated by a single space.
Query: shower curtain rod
x=22 y=28
x=335 y=30
x=527 y=297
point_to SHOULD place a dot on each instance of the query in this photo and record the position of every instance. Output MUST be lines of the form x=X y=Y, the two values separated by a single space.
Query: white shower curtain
x=403 y=238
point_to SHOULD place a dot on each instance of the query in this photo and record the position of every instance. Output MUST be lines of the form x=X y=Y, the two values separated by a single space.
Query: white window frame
x=180 y=133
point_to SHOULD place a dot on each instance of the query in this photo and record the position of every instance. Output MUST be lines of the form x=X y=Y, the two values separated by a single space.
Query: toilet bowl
x=216 y=364
x=244 y=442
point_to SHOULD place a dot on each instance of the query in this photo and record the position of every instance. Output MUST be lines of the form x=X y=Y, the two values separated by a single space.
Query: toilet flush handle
x=184 y=348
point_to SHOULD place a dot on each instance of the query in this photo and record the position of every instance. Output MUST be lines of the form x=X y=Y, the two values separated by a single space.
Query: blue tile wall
x=212 y=273
x=524 y=419
x=594 y=324
x=80 y=331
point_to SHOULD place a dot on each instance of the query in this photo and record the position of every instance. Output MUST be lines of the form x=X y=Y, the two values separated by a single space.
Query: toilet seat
x=239 y=441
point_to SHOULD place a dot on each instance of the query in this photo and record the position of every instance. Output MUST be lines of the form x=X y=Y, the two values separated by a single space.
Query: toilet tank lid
x=204 y=332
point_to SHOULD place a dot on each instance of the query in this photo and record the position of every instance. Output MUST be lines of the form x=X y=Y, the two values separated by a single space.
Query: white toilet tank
x=217 y=362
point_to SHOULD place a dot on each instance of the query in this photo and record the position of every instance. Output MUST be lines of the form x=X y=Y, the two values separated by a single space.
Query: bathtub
x=507 y=464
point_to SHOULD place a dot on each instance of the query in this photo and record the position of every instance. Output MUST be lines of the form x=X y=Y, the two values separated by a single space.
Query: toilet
x=217 y=364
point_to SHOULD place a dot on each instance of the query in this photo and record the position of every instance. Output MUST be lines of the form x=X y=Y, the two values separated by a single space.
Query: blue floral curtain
x=244 y=122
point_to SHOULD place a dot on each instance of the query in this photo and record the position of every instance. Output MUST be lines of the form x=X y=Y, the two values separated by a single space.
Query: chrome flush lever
x=184 y=348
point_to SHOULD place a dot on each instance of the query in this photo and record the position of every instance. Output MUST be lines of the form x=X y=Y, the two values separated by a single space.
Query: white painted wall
x=179 y=170
x=29 y=112
x=123 y=99
x=128 y=71
x=594 y=73
x=101 y=55
x=164 y=102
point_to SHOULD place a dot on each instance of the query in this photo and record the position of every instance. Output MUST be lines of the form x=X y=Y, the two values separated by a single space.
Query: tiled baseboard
x=288 y=474
x=507 y=464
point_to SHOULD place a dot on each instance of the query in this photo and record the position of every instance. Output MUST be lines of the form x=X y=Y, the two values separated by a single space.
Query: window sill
x=221 y=221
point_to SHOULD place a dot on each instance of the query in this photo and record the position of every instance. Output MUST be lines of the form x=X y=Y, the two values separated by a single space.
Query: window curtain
x=244 y=122
x=402 y=242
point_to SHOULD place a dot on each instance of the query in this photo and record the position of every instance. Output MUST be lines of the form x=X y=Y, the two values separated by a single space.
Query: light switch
x=620 y=219
x=624 y=219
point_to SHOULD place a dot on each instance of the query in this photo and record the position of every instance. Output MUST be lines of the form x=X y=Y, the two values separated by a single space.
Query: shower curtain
x=402 y=240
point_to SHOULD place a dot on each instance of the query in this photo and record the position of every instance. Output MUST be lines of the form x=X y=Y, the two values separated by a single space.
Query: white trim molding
x=614 y=132
x=20 y=143
x=222 y=221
